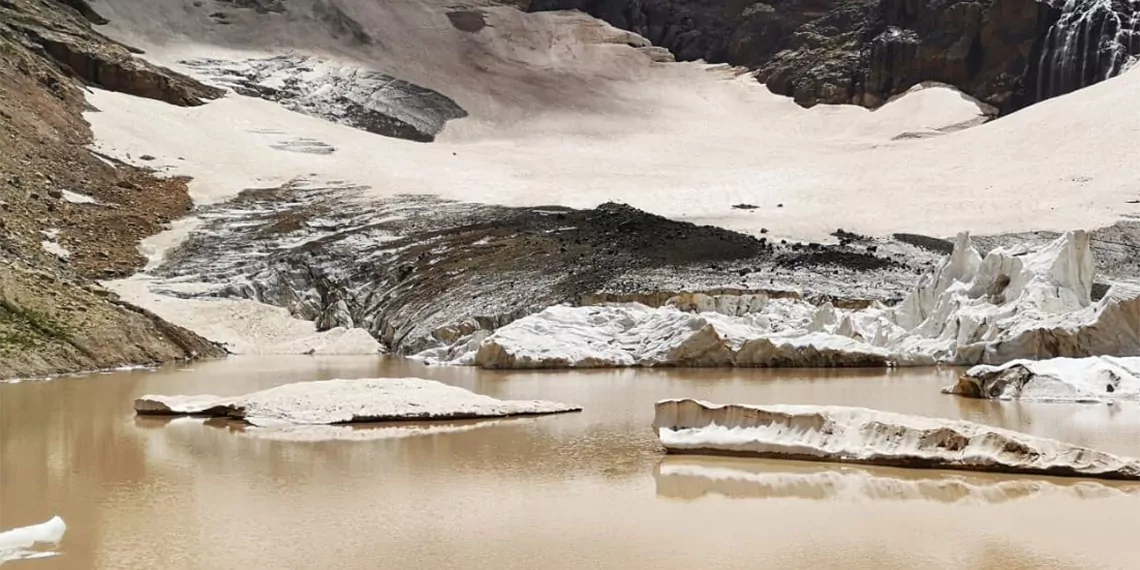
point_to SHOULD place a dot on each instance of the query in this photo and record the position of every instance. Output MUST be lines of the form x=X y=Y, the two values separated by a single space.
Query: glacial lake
x=584 y=490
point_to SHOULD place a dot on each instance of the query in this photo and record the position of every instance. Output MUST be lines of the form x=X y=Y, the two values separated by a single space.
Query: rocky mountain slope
x=569 y=162
x=1008 y=53
x=68 y=216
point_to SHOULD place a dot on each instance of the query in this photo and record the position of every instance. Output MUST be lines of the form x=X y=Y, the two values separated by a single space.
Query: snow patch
x=859 y=435
x=77 y=198
x=51 y=244
x=245 y=326
x=970 y=309
x=1092 y=379
x=20 y=543
x=349 y=401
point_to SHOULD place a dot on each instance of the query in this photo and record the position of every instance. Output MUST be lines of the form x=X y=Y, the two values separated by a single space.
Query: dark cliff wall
x=1008 y=53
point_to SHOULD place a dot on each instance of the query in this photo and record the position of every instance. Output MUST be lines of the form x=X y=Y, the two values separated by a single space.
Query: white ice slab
x=350 y=401
x=1092 y=379
x=20 y=543
x=859 y=435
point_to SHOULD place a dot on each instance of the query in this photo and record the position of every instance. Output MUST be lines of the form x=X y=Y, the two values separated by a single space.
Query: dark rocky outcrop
x=1007 y=53
x=65 y=35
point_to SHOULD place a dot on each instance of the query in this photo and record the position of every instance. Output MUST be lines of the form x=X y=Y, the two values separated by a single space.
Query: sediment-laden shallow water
x=586 y=490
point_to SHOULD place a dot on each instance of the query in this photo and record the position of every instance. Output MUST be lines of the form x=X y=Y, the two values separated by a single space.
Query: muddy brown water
x=586 y=490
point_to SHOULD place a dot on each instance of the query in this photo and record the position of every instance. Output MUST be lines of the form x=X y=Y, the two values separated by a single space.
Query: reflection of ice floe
x=1093 y=379
x=20 y=543
x=859 y=435
x=1010 y=303
x=690 y=478
x=321 y=433
x=317 y=433
x=349 y=401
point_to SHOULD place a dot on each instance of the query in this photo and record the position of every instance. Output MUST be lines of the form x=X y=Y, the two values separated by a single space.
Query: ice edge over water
x=19 y=543
x=971 y=309
x=1094 y=379
x=349 y=401
x=859 y=435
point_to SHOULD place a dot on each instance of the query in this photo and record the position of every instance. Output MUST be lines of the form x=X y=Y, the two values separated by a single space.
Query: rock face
x=1093 y=379
x=349 y=401
x=1007 y=53
x=858 y=435
x=64 y=35
x=1011 y=303
x=359 y=98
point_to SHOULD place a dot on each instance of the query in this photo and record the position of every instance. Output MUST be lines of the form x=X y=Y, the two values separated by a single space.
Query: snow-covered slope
x=970 y=309
x=1093 y=379
x=859 y=435
x=349 y=401
x=690 y=477
x=566 y=110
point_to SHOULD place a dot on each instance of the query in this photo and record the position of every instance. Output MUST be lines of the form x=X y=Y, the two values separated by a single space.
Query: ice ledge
x=350 y=401
x=1093 y=379
x=859 y=435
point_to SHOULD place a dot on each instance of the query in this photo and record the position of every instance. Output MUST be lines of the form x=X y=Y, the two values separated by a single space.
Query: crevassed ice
x=971 y=309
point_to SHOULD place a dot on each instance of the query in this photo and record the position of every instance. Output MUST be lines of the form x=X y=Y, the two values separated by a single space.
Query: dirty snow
x=77 y=198
x=859 y=435
x=244 y=326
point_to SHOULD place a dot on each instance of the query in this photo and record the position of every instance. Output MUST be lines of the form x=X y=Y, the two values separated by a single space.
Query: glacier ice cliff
x=348 y=401
x=1013 y=302
x=1092 y=379
x=859 y=435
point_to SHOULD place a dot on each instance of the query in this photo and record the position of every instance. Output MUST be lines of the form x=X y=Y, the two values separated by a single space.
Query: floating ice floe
x=349 y=401
x=859 y=435
x=971 y=309
x=682 y=477
x=20 y=543
x=1093 y=379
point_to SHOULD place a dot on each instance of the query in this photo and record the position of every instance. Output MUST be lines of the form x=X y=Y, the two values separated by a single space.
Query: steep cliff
x=1008 y=53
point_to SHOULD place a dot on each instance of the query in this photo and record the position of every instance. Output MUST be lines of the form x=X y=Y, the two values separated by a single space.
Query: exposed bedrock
x=858 y=435
x=1007 y=53
x=65 y=36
